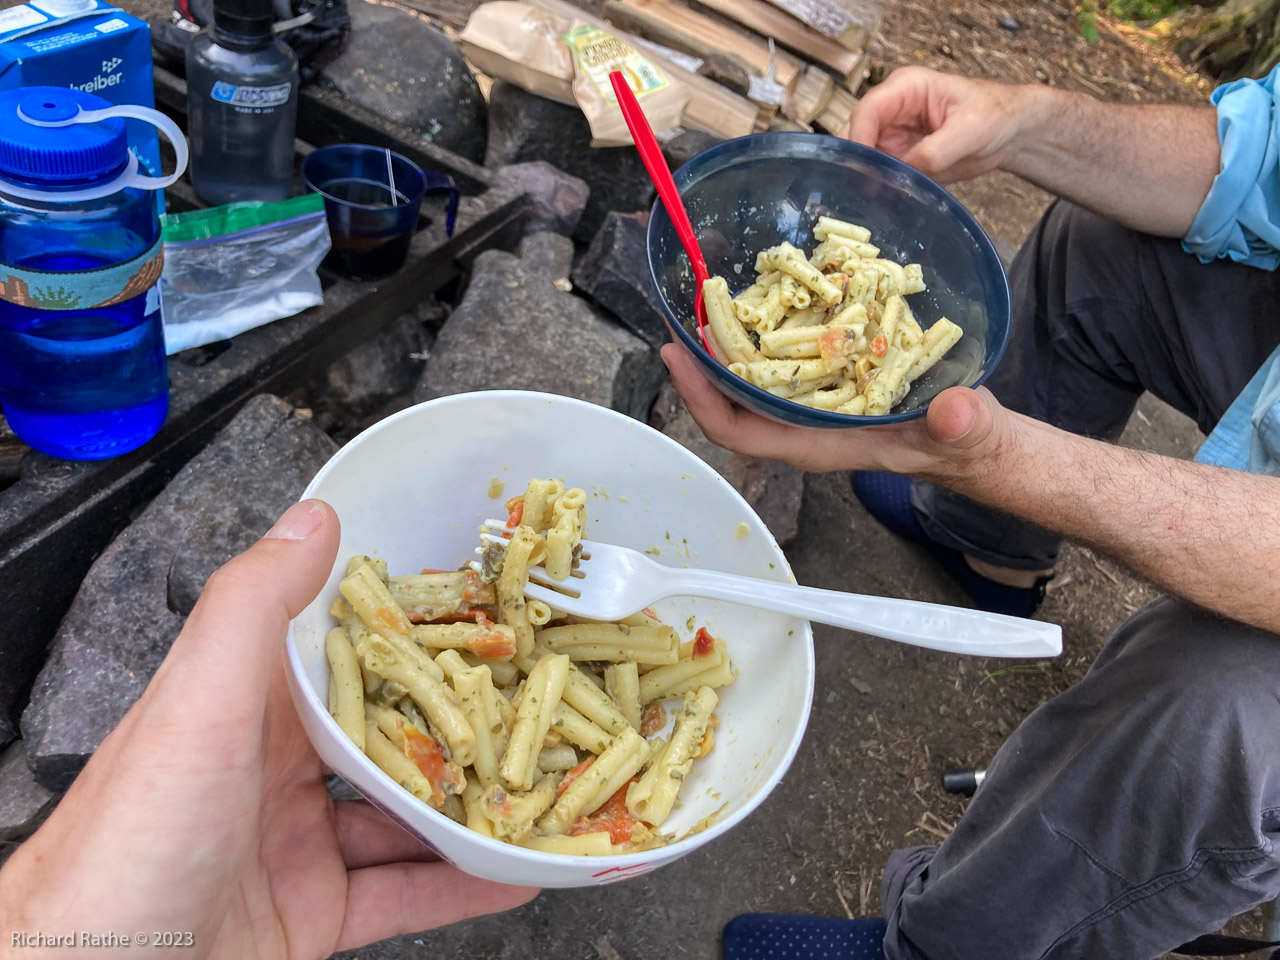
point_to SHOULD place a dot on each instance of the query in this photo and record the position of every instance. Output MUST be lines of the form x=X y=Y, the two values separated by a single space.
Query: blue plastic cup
x=372 y=199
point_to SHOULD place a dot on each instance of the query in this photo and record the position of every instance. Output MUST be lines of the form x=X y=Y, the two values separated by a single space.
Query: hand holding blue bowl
x=746 y=195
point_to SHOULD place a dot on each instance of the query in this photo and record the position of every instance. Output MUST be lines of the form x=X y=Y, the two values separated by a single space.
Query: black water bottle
x=242 y=105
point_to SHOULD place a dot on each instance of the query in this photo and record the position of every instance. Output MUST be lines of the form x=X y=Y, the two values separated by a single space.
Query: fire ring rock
x=401 y=68
x=136 y=596
x=514 y=330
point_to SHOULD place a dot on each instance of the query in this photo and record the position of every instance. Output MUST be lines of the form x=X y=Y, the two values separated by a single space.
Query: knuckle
x=234 y=578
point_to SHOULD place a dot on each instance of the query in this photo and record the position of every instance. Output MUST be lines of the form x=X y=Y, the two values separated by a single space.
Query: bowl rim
x=723 y=825
x=688 y=174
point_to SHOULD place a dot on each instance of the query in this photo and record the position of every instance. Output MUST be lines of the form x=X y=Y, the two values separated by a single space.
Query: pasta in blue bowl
x=855 y=289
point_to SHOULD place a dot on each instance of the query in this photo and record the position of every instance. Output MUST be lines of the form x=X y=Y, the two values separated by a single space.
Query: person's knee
x=1075 y=255
x=1180 y=711
x=1196 y=660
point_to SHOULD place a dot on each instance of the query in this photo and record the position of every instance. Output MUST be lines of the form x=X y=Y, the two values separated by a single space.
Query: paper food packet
x=596 y=54
x=523 y=45
x=570 y=60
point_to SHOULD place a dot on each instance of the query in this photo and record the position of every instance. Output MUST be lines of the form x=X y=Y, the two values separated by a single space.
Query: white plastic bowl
x=413 y=490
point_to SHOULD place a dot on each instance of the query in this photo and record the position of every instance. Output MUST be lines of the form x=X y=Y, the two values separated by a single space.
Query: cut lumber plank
x=786 y=30
x=829 y=19
x=857 y=80
x=869 y=12
x=690 y=32
x=836 y=115
x=783 y=125
x=811 y=95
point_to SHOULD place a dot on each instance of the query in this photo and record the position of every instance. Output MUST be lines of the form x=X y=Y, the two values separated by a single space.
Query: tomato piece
x=492 y=646
x=476 y=591
x=427 y=756
x=389 y=619
x=704 y=644
x=434 y=570
x=612 y=816
x=653 y=719
x=880 y=345
x=651 y=614
x=574 y=774
x=516 y=507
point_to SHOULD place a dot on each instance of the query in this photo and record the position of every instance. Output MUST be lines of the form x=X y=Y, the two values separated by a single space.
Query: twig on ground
x=840 y=895
x=1105 y=572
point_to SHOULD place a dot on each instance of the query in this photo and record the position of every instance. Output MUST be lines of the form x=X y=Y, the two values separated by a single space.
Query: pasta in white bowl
x=410 y=493
x=524 y=725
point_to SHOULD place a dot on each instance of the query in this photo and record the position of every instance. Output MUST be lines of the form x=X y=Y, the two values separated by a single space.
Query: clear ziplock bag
x=229 y=269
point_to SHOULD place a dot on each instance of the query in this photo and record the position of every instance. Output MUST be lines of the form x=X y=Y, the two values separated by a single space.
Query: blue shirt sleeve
x=1240 y=218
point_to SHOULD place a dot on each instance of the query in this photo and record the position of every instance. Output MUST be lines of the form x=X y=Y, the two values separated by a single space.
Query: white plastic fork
x=611 y=582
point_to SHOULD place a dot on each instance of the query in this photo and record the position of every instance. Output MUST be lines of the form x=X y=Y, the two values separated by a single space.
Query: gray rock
x=563 y=344
x=614 y=272
x=23 y=802
x=774 y=489
x=549 y=255
x=135 y=597
x=401 y=68
x=524 y=127
x=556 y=199
x=683 y=147
x=377 y=370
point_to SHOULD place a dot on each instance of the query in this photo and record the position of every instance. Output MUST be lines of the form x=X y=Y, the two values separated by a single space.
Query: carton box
x=88 y=45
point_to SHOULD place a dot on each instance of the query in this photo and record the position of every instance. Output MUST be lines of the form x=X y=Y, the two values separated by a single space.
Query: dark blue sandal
x=888 y=497
x=779 y=936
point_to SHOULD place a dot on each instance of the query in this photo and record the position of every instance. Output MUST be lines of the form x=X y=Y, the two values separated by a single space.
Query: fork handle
x=937 y=627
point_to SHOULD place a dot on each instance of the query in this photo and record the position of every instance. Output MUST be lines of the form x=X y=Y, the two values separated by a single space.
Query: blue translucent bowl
x=754 y=192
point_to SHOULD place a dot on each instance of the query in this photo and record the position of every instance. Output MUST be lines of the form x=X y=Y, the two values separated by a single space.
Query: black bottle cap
x=244 y=18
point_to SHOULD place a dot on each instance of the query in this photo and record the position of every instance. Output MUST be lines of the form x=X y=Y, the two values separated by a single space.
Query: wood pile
x=750 y=65
x=802 y=62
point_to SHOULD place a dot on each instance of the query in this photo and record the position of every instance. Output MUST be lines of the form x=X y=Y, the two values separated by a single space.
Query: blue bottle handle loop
x=130 y=177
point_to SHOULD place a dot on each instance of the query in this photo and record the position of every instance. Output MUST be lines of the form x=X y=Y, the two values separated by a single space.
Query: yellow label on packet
x=598 y=53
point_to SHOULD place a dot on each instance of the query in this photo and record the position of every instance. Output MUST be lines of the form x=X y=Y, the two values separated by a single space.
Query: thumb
x=962 y=419
x=224 y=659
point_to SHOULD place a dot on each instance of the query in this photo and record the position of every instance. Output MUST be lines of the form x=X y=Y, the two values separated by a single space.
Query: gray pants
x=1140 y=808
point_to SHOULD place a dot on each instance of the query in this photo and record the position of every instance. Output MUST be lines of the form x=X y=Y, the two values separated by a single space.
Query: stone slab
x=614 y=272
x=524 y=127
x=556 y=200
x=774 y=489
x=24 y=803
x=514 y=330
x=399 y=67
x=550 y=255
x=136 y=596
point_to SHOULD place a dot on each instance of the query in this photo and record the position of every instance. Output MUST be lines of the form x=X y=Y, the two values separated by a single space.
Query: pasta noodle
x=831 y=331
x=526 y=726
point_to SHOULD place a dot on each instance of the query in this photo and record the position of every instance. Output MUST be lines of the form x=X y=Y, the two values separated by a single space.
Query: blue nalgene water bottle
x=82 y=368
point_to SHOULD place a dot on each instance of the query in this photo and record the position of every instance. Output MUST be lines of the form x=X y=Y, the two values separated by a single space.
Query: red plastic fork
x=647 y=146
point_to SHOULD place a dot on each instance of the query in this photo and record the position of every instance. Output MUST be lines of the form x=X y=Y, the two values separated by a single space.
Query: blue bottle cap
x=83 y=153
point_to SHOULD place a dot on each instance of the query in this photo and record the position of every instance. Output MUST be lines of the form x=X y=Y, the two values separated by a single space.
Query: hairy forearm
x=1147 y=167
x=1204 y=533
